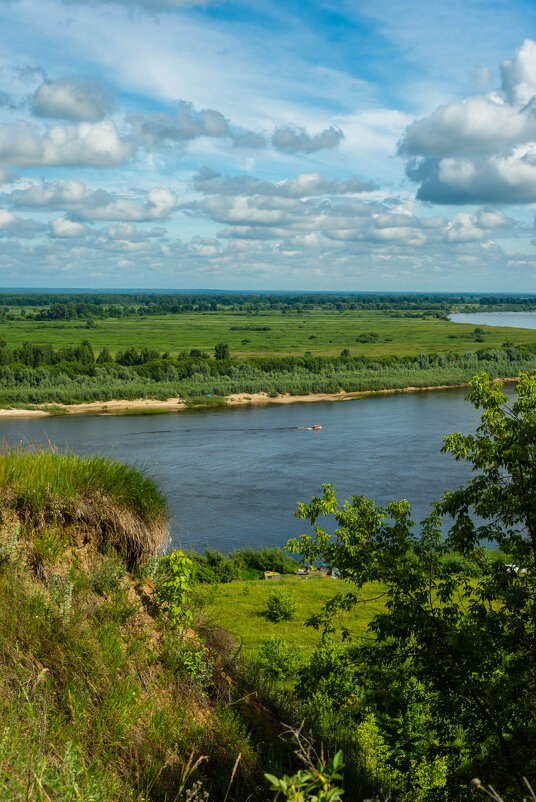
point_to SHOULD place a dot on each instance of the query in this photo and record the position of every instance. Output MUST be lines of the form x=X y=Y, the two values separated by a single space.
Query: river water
x=233 y=476
x=516 y=320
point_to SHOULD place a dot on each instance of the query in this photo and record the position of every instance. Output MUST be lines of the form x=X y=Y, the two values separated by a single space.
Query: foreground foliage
x=106 y=692
x=448 y=674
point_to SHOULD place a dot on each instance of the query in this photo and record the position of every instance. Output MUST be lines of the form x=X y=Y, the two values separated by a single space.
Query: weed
x=8 y=543
x=187 y=658
x=46 y=549
x=107 y=576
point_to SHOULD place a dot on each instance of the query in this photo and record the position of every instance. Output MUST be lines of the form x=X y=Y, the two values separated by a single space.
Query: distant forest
x=71 y=306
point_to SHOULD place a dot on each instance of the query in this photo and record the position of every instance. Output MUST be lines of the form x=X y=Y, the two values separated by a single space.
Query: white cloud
x=71 y=99
x=475 y=126
x=304 y=185
x=519 y=75
x=155 y=130
x=160 y=129
x=86 y=204
x=12 y=226
x=85 y=144
x=497 y=179
x=126 y=231
x=67 y=229
x=158 y=205
x=481 y=149
x=297 y=140
x=7 y=177
x=331 y=222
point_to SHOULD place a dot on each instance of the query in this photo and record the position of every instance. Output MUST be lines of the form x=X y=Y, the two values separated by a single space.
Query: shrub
x=186 y=658
x=266 y=559
x=213 y=566
x=173 y=591
x=278 y=659
x=280 y=606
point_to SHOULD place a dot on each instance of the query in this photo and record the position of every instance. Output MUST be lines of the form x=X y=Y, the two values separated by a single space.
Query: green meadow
x=321 y=332
x=238 y=607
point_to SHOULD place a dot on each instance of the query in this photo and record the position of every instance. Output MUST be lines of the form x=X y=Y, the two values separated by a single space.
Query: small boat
x=316 y=426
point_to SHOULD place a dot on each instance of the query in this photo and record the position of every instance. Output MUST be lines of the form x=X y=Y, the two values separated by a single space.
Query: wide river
x=233 y=476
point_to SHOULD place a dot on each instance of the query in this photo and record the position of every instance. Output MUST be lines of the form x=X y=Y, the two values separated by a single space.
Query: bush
x=213 y=567
x=280 y=606
x=277 y=658
x=458 y=564
x=266 y=559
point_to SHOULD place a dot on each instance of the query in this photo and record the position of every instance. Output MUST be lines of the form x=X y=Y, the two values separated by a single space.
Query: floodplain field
x=238 y=607
x=320 y=332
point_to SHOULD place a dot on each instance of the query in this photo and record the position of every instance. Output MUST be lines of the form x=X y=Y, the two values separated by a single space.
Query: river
x=233 y=476
x=515 y=320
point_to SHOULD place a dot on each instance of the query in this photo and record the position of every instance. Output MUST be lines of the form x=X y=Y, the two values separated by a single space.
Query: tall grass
x=120 y=504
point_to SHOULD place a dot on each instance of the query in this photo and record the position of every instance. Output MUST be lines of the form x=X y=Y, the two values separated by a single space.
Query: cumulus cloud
x=297 y=140
x=481 y=149
x=158 y=205
x=85 y=144
x=7 y=177
x=304 y=185
x=330 y=222
x=519 y=75
x=71 y=99
x=67 y=229
x=126 y=231
x=509 y=178
x=161 y=129
x=248 y=139
x=12 y=226
x=475 y=126
x=87 y=204
x=154 y=130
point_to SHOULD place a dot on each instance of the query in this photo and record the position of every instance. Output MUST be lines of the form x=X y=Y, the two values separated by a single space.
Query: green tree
x=104 y=357
x=221 y=351
x=469 y=643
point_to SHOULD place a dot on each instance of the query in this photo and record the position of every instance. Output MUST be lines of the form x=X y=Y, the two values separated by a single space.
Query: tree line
x=73 y=306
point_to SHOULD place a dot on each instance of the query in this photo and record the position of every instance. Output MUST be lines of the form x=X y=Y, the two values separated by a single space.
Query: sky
x=342 y=145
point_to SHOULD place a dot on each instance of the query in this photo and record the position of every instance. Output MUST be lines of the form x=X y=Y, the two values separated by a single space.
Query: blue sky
x=350 y=145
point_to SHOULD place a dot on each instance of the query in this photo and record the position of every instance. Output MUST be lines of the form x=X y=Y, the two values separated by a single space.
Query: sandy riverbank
x=238 y=399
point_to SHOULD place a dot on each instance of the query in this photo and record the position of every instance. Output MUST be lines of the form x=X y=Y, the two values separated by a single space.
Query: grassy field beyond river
x=321 y=332
x=204 y=357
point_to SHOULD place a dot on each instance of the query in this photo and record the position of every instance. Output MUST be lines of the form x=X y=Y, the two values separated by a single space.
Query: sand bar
x=237 y=399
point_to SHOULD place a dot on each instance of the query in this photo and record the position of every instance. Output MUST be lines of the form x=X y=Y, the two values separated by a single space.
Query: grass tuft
x=120 y=505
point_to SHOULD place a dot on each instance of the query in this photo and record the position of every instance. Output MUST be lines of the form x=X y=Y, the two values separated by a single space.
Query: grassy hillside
x=100 y=698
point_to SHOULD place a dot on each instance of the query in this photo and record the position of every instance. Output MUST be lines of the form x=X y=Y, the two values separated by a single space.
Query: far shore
x=147 y=405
